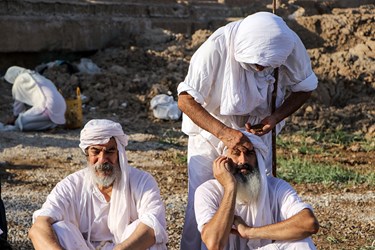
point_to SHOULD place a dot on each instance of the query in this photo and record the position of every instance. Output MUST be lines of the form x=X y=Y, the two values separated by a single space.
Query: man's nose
x=241 y=158
x=102 y=157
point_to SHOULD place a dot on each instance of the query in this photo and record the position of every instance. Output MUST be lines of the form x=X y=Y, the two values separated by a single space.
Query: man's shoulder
x=210 y=186
x=277 y=183
x=139 y=172
x=216 y=42
x=139 y=176
x=75 y=178
x=279 y=187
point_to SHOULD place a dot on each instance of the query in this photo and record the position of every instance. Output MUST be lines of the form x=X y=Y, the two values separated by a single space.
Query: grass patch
x=172 y=137
x=179 y=158
x=303 y=171
x=308 y=139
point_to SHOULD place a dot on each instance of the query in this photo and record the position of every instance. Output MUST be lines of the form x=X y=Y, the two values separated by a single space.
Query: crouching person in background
x=38 y=105
x=107 y=205
x=245 y=209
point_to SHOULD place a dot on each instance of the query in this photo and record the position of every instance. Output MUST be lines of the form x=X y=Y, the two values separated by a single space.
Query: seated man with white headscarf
x=245 y=209
x=34 y=90
x=107 y=205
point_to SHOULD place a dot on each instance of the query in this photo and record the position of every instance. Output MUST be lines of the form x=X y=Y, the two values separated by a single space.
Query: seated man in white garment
x=107 y=205
x=38 y=105
x=245 y=209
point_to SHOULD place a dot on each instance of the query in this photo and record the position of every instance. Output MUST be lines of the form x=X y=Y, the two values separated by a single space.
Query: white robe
x=47 y=104
x=234 y=95
x=67 y=203
x=284 y=203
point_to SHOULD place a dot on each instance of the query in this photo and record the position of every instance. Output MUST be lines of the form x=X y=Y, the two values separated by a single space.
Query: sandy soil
x=341 y=44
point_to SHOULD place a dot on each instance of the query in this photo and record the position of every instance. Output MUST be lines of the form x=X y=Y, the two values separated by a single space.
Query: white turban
x=261 y=38
x=100 y=131
x=13 y=72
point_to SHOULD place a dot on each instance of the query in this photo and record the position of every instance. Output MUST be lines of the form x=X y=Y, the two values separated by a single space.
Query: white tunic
x=66 y=203
x=284 y=203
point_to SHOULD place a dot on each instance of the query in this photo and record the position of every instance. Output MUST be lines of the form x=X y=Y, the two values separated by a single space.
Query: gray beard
x=106 y=180
x=248 y=187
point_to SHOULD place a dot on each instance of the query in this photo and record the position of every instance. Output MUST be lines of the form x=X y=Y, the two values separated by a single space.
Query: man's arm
x=42 y=235
x=297 y=227
x=143 y=237
x=206 y=121
x=215 y=233
x=291 y=104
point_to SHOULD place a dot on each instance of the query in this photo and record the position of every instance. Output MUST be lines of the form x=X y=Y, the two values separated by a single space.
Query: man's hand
x=265 y=126
x=233 y=138
x=221 y=170
x=215 y=233
x=241 y=227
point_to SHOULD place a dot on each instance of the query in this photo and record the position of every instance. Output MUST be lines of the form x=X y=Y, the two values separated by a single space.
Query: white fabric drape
x=252 y=44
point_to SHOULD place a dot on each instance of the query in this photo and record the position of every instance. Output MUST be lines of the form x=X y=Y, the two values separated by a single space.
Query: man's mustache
x=104 y=167
x=236 y=168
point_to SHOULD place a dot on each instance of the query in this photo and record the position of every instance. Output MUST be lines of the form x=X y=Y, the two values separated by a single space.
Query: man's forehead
x=110 y=144
x=242 y=149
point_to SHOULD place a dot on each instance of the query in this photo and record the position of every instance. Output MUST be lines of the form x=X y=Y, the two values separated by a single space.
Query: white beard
x=248 y=190
x=106 y=180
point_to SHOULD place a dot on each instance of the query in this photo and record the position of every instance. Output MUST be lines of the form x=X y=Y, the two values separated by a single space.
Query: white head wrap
x=13 y=72
x=262 y=38
x=100 y=131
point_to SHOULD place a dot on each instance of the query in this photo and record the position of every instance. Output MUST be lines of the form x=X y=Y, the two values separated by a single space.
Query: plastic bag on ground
x=87 y=66
x=165 y=107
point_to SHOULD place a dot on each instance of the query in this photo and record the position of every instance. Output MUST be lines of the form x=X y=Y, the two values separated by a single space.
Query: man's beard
x=248 y=185
x=104 y=174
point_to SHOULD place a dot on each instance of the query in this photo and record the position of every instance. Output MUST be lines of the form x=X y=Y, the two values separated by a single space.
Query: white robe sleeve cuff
x=45 y=212
x=183 y=87
x=309 y=84
x=150 y=220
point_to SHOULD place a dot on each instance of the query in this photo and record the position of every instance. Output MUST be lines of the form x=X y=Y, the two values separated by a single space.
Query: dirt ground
x=342 y=48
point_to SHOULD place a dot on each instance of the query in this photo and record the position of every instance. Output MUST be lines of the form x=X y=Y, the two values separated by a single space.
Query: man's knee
x=69 y=235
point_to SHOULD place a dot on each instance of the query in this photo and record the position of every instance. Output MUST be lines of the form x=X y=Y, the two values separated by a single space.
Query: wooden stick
x=273 y=107
x=274 y=6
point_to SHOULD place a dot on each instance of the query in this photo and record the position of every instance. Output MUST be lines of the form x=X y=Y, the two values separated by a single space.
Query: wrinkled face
x=103 y=163
x=244 y=167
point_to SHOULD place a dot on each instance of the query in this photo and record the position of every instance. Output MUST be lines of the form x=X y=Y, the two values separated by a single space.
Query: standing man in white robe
x=30 y=88
x=245 y=209
x=107 y=205
x=229 y=87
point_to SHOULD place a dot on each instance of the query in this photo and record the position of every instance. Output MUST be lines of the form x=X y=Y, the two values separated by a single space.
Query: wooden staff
x=274 y=6
x=274 y=94
x=273 y=108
